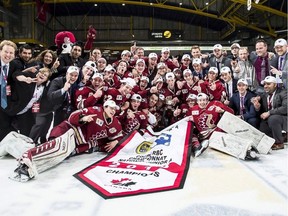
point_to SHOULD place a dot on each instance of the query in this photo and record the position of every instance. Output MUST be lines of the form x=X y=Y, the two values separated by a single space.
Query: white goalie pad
x=232 y=124
x=51 y=153
x=230 y=144
x=15 y=144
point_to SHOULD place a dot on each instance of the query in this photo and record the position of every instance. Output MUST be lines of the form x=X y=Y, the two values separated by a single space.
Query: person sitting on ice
x=205 y=115
x=88 y=130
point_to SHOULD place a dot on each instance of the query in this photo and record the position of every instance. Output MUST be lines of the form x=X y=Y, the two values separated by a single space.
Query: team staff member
x=272 y=107
x=7 y=54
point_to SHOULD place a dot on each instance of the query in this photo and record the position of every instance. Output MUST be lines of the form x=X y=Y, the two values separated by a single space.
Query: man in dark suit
x=61 y=94
x=70 y=59
x=218 y=60
x=241 y=103
x=7 y=54
x=272 y=107
x=229 y=82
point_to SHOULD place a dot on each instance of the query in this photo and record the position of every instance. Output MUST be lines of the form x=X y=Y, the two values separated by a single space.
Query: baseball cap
x=185 y=56
x=165 y=49
x=169 y=76
x=187 y=71
x=214 y=69
x=136 y=97
x=72 y=69
x=111 y=104
x=225 y=70
x=109 y=67
x=160 y=79
x=196 y=61
x=191 y=97
x=242 y=81
x=152 y=55
x=202 y=95
x=217 y=46
x=161 y=64
x=92 y=65
x=235 y=45
x=102 y=59
x=140 y=60
x=129 y=81
x=125 y=52
x=269 y=79
x=280 y=42
x=145 y=78
x=95 y=75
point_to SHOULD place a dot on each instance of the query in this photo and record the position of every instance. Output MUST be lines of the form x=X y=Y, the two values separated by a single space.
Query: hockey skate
x=21 y=174
x=200 y=149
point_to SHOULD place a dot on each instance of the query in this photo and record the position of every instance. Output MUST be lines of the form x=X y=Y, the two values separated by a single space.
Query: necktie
x=280 y=63
x=227 y=90
x=270 y=102
x=242 y=105
x=3 y=87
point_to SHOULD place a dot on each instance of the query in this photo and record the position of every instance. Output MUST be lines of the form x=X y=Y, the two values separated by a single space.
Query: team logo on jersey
x=119 y=97
x=184 y=91
x=142 y=117
x=99 y=122
x=211 y=108
x=112 y=130
x=195 y=112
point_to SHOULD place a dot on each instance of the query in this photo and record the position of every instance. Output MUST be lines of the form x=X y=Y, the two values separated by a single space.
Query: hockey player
x=205 y=115
x=134 y=118
x=90 y=129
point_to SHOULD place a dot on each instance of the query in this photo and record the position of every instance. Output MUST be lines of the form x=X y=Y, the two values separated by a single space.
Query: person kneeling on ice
x=88 y=130
x=205 y=115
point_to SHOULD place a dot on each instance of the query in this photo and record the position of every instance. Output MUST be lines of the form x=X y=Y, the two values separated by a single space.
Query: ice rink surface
x=216 y=184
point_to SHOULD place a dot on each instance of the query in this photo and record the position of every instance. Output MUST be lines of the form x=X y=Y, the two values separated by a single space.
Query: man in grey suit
x=280 y=47
x=272 y=107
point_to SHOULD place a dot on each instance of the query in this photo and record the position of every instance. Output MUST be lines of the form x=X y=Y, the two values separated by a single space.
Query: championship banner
x=141 y=165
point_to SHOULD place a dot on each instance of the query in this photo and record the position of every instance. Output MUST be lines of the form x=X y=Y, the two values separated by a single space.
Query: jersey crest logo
x=99 y=122
x=112 y=130
x=195 y=112
x=119 y=97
